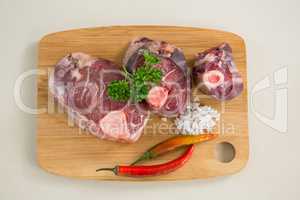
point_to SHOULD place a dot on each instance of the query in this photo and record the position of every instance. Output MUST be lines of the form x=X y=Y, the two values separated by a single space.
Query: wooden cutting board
x=65 y=150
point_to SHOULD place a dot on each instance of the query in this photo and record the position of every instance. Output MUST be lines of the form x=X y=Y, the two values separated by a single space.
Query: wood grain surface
x=64 y=149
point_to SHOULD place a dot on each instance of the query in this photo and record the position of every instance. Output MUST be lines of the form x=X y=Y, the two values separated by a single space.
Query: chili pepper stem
x=138 y=160
x=114 y=170
x=145 y=156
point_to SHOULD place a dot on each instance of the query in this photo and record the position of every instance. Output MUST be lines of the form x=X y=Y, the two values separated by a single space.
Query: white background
x=271 y=30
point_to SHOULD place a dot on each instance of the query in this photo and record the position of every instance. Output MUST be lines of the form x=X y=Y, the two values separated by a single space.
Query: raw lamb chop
x=216 y=74
x=171 y=96
x=79 y=83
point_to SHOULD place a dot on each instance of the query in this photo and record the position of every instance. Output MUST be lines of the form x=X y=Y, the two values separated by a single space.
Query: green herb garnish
x=119 y=90
x=150 y=59
x=147 y=74
x=137 y=84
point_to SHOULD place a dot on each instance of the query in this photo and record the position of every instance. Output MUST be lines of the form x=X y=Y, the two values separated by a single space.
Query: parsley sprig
x=137 y=85
x=119 y=89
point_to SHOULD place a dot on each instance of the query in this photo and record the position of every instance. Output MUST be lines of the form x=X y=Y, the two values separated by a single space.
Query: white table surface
x=271 y=30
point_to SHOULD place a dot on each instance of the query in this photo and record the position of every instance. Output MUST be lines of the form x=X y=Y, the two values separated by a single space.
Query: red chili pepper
x=152 y=170
x=174 y=143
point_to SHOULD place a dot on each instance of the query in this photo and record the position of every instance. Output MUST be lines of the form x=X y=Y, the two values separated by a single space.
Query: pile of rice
x=197 y=120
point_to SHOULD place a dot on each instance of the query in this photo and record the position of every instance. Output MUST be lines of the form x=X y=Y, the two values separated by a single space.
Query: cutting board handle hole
x=225 y=152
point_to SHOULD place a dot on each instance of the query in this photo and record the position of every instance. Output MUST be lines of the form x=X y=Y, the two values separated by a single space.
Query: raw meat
x=79 y=83
x=171 y=96
x=216 y=74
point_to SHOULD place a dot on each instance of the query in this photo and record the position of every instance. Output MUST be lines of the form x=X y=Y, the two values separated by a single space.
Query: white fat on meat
x=114 y=124
x=157 y=96
x=76 y=74
x=83 y=59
